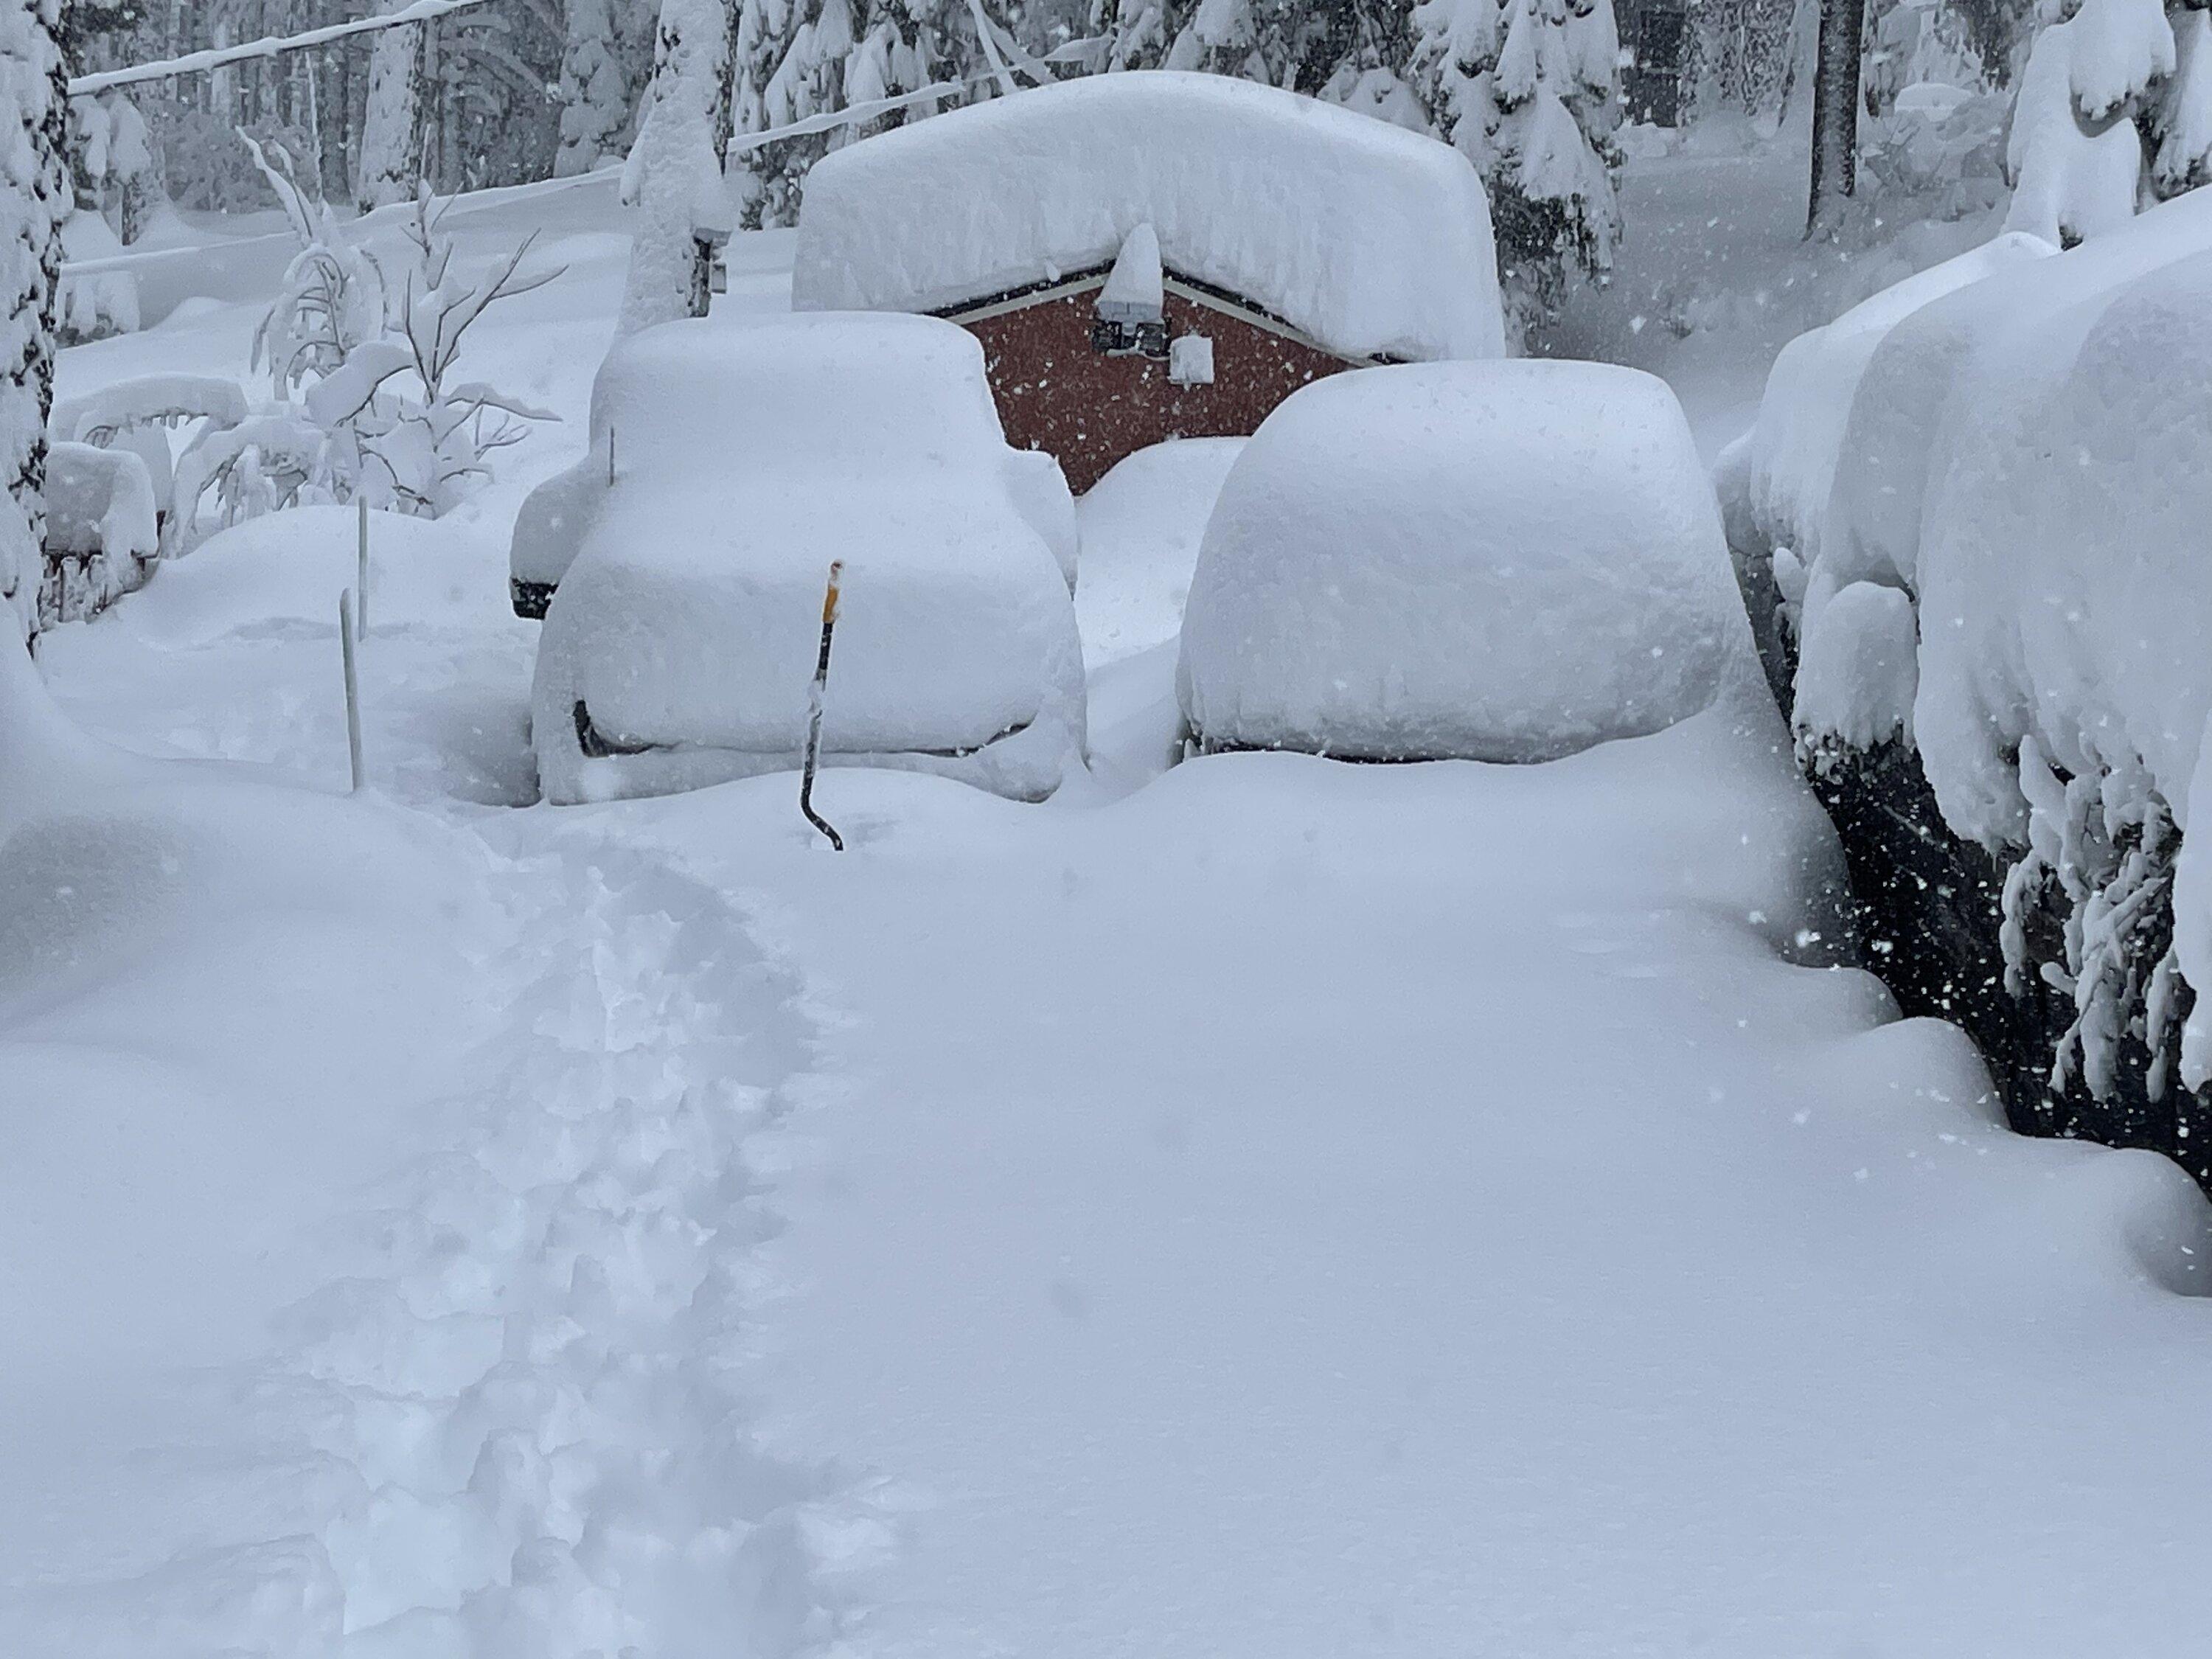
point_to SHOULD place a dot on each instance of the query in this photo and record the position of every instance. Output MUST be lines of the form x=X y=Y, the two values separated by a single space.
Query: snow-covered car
x=643 y=390
x=681 y=643
x=1505 y=561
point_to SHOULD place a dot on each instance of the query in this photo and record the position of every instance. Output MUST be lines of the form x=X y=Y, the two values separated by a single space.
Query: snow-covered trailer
x=1159 y=255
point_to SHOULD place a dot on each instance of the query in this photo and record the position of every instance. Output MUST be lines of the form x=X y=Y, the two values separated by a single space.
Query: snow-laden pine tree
x=1140 y=34
x=391 y=119
x=34 y=199
x=112 y=161
x=1743 y=56
x=1319 y=50
x=797 y=58
x=2115 y=104
x=1529 y=91
x=673 y=180
x=596 y=91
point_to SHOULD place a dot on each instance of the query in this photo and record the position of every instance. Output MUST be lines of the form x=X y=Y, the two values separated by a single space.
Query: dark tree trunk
x=1835 y=114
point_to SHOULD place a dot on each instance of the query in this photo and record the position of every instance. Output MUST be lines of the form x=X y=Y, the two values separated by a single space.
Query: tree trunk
x=1835 y=114
x=34 y=199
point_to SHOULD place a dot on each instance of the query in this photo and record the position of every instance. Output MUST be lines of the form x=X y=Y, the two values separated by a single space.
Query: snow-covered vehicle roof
x=1372 y=240
x=756 y=393
x=680 y=646
x=1505 y=561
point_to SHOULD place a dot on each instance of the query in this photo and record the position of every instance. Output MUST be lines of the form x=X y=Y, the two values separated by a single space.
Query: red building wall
x=1088 y=408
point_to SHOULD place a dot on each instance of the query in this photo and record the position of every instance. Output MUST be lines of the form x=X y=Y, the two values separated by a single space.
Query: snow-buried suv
x=685 y=595
x=1979 y=575
x=1503 y=560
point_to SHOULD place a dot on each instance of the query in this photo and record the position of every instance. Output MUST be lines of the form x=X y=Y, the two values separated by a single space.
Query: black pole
x=1835 y=112
x=814 y=710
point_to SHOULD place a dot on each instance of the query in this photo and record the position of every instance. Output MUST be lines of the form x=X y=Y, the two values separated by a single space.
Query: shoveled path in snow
x=1313 y=1209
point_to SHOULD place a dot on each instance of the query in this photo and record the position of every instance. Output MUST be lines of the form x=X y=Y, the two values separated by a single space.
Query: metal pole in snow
x=352 y=686
x=814 y=709
x=360 y=576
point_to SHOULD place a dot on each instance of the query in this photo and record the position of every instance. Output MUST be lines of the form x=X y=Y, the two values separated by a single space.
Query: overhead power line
x=273 y=46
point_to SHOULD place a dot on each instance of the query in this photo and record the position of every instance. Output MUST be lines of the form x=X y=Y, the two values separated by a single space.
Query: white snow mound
x=1373 y=241
x=687 y=630
x=830 y=394
x=1507 y=560
x=1775 y=480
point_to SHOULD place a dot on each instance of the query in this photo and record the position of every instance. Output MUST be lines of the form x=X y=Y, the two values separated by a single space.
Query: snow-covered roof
x=1372 y=240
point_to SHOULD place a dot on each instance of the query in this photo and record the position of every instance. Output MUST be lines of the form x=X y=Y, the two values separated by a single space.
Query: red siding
x=1089 y=410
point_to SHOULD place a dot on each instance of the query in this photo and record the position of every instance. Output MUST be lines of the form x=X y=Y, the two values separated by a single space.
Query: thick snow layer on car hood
x=1373 y=241
x=1506 y=561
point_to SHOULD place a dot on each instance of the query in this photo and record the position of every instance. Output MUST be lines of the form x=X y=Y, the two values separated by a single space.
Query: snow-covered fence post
x=352 y=686
x=814 y=699
x=360 y=574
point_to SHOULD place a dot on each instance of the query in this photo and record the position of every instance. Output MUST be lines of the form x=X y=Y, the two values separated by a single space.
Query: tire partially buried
x=1504 y=561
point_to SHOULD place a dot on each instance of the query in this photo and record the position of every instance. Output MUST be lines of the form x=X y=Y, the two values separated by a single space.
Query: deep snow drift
x=1276 y=1207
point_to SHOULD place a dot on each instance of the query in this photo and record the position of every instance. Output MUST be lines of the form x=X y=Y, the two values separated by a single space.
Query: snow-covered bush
x=1940 y=149
x=1505 y=561
x=1777 y=480
x=100 y=537
x=332 y=297
x=2063 y=693
x=94 y=304
x=366 y=358
x=424 y=446
x=1992 y=568
x=2115 y=105
x=140 y=414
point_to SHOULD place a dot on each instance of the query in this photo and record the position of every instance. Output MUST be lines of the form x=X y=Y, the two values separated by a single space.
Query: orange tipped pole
x=830 y=596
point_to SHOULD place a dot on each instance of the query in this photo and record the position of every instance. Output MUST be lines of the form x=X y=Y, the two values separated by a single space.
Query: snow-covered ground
x=1267 y=1206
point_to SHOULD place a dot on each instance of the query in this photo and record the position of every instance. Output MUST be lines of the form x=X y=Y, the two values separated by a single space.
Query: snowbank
x=1775 y=480
x=2064 y=594
x=282 y=574
x=1504 y=561
x=832 y=394
x=1871 y=527
x=689 y=624
x=1373 y=241
x=1142 y=524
